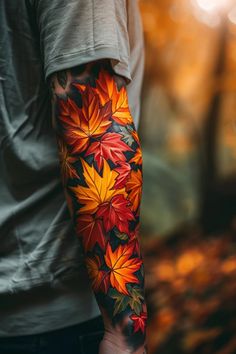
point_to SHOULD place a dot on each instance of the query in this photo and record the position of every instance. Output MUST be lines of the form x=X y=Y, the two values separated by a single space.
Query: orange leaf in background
x=116 y=213
x=80 y=124
x=91 y=231
x=139 y=321
x=124 y=170
x=100 y=280
x=107 y=90
x=110 y=146
x=121 y=267
x=99 y=189
x=66 y=161
x=138 y=157
x=134 y=189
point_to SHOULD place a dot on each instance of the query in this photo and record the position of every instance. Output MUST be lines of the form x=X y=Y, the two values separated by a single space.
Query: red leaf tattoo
x=139 y=321
x=91 y=230
x=123 y=169
x=110 y=146
x=117 y=213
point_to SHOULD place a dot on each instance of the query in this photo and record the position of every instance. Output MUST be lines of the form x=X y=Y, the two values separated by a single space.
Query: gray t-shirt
x=43 y=282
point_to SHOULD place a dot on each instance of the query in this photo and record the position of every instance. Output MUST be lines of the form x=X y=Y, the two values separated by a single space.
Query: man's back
x=43 y=282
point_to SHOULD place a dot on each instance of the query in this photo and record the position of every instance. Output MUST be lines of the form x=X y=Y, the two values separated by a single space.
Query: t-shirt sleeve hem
x=69 y=60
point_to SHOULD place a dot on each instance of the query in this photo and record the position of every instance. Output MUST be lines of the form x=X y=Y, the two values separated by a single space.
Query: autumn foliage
x=191 y=284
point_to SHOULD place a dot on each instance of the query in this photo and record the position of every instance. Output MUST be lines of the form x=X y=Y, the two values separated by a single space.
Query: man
x=65 y=69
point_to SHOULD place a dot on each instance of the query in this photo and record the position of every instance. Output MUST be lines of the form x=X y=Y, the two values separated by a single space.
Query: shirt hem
x=68 y=60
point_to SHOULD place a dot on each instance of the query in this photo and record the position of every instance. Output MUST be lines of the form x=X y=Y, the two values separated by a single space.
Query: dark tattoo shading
x=101 y=163
x=62 y=78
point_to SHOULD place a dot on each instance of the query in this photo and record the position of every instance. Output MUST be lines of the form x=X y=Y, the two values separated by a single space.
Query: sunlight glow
x=211 y=12
x=212 y=5
x=232 y=15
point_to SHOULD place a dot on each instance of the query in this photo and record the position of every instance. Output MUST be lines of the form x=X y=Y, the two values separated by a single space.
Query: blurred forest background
x=188 y=132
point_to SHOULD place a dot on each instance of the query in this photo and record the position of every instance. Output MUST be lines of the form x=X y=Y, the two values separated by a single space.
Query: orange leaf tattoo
x=135 y=136
x=99 y=278
x=99 y=189
x=134 y=189
x=122 y=267
x=107 y=90
x=80 y=124
x=66 y=161
x=138 y=157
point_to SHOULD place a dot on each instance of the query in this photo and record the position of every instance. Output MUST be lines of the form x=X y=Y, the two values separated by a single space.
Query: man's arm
x=101 y=164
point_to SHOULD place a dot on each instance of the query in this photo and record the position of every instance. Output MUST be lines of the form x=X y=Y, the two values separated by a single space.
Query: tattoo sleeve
x=101 y=164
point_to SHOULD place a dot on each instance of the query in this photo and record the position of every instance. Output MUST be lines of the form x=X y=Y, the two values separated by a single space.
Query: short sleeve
x=75 y=32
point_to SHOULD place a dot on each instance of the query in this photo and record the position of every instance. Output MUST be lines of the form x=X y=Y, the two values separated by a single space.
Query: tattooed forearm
x=101 y=164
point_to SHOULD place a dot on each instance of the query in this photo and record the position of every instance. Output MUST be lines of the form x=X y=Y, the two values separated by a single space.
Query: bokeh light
x=212 y=12
x=213 y=5
x=232 y=15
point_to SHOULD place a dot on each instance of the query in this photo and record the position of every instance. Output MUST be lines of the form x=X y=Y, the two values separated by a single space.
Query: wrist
x=115 y=344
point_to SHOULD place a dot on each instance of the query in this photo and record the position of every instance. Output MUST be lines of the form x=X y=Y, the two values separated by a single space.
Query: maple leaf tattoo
x=80 y=124
x=107 y=91
x=134 y=189
x=117 y=213
x=109 y=147
x=101 y=165
x=91 y=230
x=99 y=189
x=68 y=170
x=100 y=281
x=139 y=321
x=122 y=266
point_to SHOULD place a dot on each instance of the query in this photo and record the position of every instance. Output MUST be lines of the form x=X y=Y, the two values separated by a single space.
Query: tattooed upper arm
x=84 y=74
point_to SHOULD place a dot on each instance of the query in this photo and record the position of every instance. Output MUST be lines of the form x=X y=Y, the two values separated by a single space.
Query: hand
x=116 y=342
